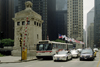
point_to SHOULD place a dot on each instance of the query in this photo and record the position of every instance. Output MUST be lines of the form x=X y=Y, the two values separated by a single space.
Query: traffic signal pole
x=23 y=44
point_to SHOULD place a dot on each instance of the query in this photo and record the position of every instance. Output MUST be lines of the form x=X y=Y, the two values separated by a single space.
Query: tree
x=7 y=42
x=58 y=40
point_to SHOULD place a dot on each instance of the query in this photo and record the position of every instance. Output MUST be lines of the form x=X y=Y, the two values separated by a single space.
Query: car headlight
x=90 y=55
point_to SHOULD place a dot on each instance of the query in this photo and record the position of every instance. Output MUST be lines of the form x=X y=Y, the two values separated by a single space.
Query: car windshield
x=86 y=52
x=62 y=52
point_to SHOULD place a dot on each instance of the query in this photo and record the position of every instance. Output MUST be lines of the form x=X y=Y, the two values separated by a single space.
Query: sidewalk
x=14 y=59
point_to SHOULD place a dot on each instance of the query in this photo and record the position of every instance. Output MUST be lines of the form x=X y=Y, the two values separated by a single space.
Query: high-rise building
x=15 y=6
x=97 y=24
x=47 y=9
x=75 y=19
x=61 y=22
x=61 y=4
x=84 y=37
x=91 y=35
x=6 y=22
x=90 y=19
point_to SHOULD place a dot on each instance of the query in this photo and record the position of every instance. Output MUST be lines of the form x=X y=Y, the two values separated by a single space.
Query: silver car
x=62 y=55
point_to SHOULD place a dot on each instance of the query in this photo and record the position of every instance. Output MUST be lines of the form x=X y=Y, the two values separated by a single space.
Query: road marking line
x=99 y=60
x=28 y=66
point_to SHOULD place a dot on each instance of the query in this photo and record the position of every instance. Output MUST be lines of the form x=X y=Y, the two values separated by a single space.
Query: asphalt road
x=75 y=62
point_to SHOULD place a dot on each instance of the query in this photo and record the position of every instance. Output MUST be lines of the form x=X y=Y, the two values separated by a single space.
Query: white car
x=62 y=55
x=95 y=49
x=75 y=53
x=79 y=50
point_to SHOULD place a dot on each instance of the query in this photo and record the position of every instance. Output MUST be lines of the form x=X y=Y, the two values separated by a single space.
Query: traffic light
x=20 y=42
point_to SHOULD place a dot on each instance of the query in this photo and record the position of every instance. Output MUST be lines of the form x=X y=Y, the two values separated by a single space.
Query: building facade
x=84 y=37
x=75 y=19
x=6 y=22
x=43 y=7
x=91 y=35
x=97 y=24
x=61 y=22
x=61 y=5
x=90 y=19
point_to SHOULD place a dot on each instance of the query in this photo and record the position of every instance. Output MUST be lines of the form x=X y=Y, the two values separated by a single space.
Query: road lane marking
x=99 y=60
x=28 y=66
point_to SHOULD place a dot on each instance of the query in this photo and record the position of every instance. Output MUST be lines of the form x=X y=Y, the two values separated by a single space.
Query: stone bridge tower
x=28 y=26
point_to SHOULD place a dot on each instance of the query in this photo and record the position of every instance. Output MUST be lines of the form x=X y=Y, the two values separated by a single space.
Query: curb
x=19 y=61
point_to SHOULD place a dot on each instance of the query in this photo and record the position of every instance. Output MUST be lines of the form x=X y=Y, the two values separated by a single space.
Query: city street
x=75 y=62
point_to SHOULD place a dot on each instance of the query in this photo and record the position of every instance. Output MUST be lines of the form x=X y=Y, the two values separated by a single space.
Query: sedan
x=62 y=55
x=87 y=54
x=79 y=50
x=75 y=53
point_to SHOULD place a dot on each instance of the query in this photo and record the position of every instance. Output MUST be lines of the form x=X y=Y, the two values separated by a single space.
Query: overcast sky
x=87 y=6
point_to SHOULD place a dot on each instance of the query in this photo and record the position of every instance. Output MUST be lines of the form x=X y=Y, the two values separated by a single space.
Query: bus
x=69 y=46
x=47 y=48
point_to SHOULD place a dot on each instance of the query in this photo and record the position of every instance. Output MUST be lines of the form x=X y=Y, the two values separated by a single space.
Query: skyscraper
x=91 y=35
x=61 y=17
x=61 y=22
x=6 y=14
x=90 y=19
x=97 y=23
x=75 y=19
x=61 y=5
x=47 y=9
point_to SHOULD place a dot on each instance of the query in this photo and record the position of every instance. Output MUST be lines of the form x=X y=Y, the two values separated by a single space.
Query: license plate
x=57 y=58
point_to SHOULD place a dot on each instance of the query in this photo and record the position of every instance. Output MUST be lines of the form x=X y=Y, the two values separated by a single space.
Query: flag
x=63 y=36
x=73 y=40
x=60 y=36
x=77 y=41
x=66 y=38
x=81 y=42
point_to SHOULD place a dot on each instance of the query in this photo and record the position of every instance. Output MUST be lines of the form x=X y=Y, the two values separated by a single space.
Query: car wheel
x=80 y=59
x=66 y=58
x=92 y=59
x=77 y=55
x=71 y=58
x=38 y=57
x=54 y=60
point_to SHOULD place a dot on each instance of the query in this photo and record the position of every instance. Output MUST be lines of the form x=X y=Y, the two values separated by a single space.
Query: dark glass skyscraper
x=61 y=22
x=97 y=23
x=6 y=14
x=47 y=9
